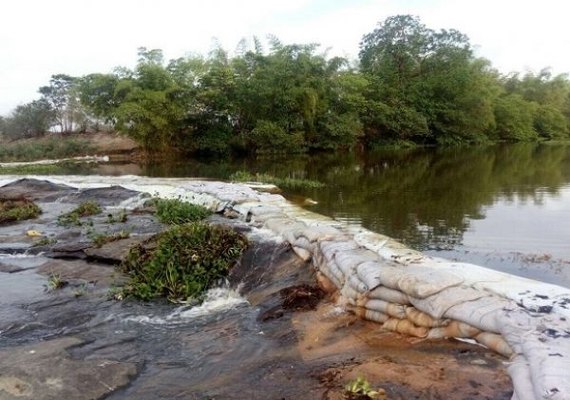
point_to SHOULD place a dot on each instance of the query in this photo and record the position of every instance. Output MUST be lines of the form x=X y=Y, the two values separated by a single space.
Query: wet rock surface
x=288 y=341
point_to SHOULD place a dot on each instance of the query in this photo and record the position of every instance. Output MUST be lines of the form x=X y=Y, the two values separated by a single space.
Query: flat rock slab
x=80 y=271
x=44 y=371
x=114 y=252
x=36 y=190
x=109 y=196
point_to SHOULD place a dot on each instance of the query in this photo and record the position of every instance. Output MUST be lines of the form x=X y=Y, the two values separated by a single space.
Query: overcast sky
x=39 y=38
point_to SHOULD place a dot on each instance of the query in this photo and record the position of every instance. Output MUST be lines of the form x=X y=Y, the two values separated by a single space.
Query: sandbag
x=389 y=295
x=405 y=327
x=482 y=313
x=321 y=232
x=420 y=318
x=454 y=329
x=371 y=315
x=392 y=309
x=422 y=282
x=349 y=260
x=330 y=248
x=519 y=372
x=326 y=283
x=356 y=284
x=374 y=274
x=436 y=305
x=494 y=342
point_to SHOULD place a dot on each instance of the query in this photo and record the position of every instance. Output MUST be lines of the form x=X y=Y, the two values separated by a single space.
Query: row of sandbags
x=427 y=302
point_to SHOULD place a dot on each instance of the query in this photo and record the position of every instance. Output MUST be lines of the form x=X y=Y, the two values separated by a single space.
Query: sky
x=39 y=38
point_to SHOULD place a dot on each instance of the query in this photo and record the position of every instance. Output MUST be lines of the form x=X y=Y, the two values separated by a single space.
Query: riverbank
x=248 y=343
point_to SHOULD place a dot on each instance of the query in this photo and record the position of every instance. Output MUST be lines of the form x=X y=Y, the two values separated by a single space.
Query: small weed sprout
x=360 y=389
x=55 y=282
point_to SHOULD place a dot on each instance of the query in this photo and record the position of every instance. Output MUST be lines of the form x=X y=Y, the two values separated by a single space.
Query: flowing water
x=506 y=206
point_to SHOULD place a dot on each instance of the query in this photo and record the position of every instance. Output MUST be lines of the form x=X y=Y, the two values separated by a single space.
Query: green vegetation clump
x=55 y=282
x=60 y=168
x=183 y=262
x=73 y=218
x=176 y=211
x=12 y=210
x=288 y=183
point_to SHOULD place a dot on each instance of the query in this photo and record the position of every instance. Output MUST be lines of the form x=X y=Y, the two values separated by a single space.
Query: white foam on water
x=217 y=300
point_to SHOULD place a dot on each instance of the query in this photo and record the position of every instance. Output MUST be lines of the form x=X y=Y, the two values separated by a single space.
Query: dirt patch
x=301 y=297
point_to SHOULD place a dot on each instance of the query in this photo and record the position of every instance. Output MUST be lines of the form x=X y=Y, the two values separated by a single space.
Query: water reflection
x=511 y=198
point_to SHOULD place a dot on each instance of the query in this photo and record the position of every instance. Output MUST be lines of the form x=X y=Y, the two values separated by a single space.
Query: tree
x=63 y=97
x=29 y=120
x=424 y=84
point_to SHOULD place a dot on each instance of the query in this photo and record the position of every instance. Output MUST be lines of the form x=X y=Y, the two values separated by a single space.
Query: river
x=506 y=207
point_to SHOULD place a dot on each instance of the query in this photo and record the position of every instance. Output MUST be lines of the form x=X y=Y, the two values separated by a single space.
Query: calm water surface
x=506 y=207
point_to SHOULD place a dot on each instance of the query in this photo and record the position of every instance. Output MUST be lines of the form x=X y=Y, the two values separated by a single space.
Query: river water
x=506 y=206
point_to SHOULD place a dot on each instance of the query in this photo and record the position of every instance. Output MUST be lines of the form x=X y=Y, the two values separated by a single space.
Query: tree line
x=412 y=84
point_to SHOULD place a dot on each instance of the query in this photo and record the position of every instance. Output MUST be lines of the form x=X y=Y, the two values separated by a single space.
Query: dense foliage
x=183 y=262
x=12 y=210
x=176 y=212
x=413 y=85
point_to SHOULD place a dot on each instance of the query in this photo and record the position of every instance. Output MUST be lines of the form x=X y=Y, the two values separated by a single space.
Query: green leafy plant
x=360 y=389
x=176 y=211
x=183 y=262
x=85 y=209
x=12 y=210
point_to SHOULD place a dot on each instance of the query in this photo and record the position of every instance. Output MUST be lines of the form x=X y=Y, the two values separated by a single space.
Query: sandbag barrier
x=405 y=291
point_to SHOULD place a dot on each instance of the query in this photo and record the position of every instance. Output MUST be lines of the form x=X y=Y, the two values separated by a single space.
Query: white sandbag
x=420 y=318
x=519 y=372
x=357 y=284
x=350 y=259
x=392 y=309
x=374 y=274
x=405 y=327
x=436 y=305
x=482 y=313
x=495 y=342
x=349 y=295
x=304 y=244
x=330 y=248
x=333 y=273
x=283 y=225
x=321 y=232
x=389 y=295
x=454 y=329
x=422 y=282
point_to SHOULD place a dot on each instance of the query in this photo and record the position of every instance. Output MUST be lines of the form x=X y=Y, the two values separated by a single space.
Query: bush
x=268 y=137
x=183 y=262
x=176 y=211
x=85 y=209
x=12 y=210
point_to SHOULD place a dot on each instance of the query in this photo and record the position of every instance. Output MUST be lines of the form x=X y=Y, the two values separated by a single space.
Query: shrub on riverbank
x=12 y=210
x=183 y=262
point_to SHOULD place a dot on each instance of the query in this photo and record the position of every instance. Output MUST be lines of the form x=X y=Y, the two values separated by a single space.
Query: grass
x=182 y=263
x=55 y=282
x=45 y=241
x=176 y=211
x=53 y=147
x=73 y=218
x=286 y=183
x=121 y=217
x=13 y=210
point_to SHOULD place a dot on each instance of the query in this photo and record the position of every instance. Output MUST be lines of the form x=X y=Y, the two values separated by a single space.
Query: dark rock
x=109 y=196
x=37 y=190
x=114 y=252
